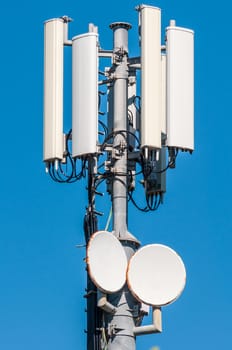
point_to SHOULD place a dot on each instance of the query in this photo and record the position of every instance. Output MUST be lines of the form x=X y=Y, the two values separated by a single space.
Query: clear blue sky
x=42 y=274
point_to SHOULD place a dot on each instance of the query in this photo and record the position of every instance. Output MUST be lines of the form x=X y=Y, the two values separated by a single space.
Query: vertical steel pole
x=120 y=87
x=121 y=324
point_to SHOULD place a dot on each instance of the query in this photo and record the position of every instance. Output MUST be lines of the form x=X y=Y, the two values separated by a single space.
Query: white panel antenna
x=85 y=94
x=150 y=28
x=53 y=89
x=180 y=87
x=163 y=95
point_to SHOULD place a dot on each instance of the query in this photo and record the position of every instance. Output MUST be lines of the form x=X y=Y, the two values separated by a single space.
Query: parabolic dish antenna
x=156 y=275
x=106 y=262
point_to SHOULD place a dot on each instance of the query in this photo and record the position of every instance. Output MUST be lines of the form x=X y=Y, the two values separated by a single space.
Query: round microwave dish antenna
x=156 y=275
x=106 y=262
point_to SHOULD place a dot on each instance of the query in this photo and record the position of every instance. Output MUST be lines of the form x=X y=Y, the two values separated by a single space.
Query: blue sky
x=42 y=273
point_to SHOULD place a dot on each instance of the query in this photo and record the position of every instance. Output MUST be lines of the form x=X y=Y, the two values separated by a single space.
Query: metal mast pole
x=121 y=324
x=119 y=198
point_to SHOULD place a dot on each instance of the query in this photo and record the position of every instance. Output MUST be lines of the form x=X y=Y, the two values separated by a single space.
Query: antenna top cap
x=117 y=25
x=142 y=6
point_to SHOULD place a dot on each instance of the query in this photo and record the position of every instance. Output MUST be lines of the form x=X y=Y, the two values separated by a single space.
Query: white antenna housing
x=53 y=89
x=85 y=94
x=150 y=27
x=180 y=87
x=163 y=94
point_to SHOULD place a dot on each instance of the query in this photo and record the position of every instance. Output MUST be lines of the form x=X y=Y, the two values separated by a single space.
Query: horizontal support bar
x=103 y=304
x=68 y=43
x=105 y=53
x=155 y=327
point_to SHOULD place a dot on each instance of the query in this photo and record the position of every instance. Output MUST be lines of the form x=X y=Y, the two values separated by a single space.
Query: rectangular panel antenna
x=180 y=88
x=150 y=27
x=84 y=94
x=53 y=89
x=163 y=96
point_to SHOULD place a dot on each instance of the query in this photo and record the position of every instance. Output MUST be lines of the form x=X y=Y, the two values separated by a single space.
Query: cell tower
x=138 y=138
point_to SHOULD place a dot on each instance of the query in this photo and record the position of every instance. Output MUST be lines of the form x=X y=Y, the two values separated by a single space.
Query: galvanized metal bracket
x=104 y=304
x=155 y=327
